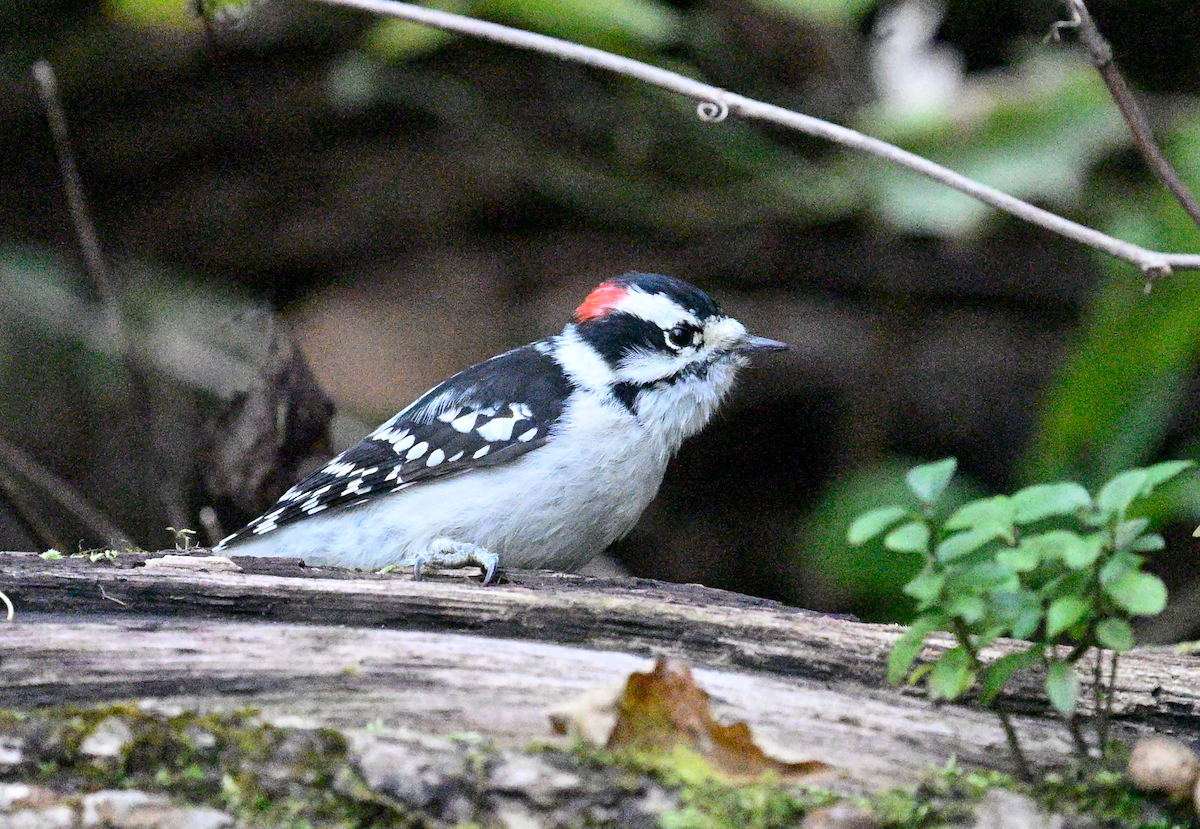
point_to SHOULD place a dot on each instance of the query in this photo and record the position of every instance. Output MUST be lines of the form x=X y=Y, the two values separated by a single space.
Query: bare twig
x=29 y=514
x=95 y=521
x=159 y=481
x=716 y=103
x=1101 y=54
x=85 y=228
x=104 y=595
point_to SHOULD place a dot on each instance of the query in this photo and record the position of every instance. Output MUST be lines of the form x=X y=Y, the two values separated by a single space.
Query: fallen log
x=330 y=647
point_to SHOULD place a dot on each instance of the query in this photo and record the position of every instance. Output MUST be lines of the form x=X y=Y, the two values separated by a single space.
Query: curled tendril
x=712 y=110
x=1058 y=27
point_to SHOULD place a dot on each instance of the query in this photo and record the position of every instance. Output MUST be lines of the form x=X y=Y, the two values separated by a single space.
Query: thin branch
x=160 y=481
x=1101 y=54
x=85 y=228
x=95 y=521
x=29 y=514
x=715 y=104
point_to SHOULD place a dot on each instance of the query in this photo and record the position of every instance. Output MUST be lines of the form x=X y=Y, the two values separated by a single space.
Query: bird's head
x=669 y=353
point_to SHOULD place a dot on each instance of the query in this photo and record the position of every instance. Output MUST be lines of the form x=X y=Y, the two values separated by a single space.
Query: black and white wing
x=486 y=415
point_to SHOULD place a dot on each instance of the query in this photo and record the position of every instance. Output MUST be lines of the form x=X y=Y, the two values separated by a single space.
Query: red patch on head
x=600 y=301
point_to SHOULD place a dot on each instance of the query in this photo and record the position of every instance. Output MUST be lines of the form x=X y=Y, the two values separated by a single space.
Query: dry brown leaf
x=664 y=710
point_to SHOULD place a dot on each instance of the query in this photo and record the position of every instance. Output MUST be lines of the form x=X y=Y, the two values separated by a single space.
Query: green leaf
x=1114 y=633
x=1116 y=495
x=966 y=607
x=912 y=537
x=952 y=674
x=909 y=645
x=995 y=675
x=1122 y=562
x=930 y=480
x=1035 y=503
x=1062 y=687
x=1020 y=558
x=919 y=673
x=1142 y=594
x=1149 y=543
x=1128 y=531
x=959 y=544
x=1028 y=620
x=1064 y=613
x=984 y=513
x=1063 y=545
x=870 y=524
x=926 y=587
x=1162 y=472
x=987 y=576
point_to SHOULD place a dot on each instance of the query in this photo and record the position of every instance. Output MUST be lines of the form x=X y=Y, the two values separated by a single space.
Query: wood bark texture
x=445 y=655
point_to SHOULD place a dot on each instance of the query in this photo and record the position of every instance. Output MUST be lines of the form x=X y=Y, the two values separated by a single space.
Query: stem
x=1105 y=719
x=716 y=103
x=1101 y=54
x=1100 y=700
x=1024 y=770
x=1014 y=746
x=1081 y=746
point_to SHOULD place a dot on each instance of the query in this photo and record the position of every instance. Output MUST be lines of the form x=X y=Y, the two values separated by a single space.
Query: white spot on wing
x=449 y=414
x=338 y=468
x=356 y=487
x=501 y=428
x=417 y=451
x=266 y=523
x=525 y=437
x=498 y=428
x=480 y=452
x=435 y=457
x=465 y=423
x=454 y=457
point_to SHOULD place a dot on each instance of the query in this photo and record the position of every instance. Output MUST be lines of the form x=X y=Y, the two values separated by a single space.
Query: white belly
x=551 y=508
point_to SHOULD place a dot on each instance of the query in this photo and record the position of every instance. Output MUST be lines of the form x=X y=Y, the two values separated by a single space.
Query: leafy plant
x=1051 y=565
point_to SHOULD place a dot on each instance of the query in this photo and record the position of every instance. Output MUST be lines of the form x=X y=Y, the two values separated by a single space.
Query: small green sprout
x=1051 y=565
x=185 y=539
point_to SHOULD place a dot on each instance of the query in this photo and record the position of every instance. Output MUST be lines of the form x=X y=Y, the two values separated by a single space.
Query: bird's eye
x=681 y=336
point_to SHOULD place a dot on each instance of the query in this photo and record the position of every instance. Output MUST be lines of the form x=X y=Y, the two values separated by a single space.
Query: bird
x=538 y=458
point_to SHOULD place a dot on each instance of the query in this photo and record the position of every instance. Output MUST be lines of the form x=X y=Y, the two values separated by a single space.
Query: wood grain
x=446 y=655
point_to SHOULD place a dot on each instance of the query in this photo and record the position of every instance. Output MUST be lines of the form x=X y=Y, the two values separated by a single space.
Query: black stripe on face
x=627 y=393
x=618 y=333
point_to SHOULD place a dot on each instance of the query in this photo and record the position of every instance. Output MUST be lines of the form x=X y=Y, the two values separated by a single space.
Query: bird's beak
x=749 y=344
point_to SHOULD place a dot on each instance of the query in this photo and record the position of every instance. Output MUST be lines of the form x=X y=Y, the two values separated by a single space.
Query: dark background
x=413 y=202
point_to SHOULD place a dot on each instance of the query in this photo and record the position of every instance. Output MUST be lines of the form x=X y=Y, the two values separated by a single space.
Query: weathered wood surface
x=446 y=655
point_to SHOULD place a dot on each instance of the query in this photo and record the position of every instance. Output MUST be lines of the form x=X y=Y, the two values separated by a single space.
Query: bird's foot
x=448 y=553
